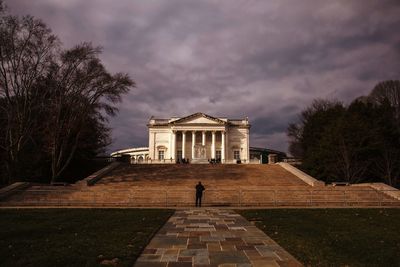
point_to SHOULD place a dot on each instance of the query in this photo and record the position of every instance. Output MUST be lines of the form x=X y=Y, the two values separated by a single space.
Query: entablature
x=198 y=128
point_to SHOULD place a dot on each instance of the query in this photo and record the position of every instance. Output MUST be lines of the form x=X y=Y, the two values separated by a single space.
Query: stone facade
x=199 y=137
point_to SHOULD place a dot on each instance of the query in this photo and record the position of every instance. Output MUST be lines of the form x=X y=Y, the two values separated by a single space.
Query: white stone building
x=197 y=137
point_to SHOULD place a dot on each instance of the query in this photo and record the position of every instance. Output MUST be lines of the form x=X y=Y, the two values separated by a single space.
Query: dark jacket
x=199 y=189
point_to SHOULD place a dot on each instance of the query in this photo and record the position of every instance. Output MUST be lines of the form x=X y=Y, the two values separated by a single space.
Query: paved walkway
x=212 y=237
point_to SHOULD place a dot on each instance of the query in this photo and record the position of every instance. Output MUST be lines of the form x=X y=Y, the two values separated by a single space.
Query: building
x=263 y=155
x=137 y=154
x=197 y=138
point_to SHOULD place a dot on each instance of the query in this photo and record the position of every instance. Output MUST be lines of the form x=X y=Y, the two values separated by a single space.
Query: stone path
x=212 y=237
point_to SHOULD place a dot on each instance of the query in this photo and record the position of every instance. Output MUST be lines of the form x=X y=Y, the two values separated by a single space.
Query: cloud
x=263 y=59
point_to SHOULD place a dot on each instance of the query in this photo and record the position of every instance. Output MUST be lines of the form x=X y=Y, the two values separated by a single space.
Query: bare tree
x=387 y=91
x=81 y=89
x=26 y=48
x=302 y=134
x=388 y=164
x=347 y=164
x=49 y=97
x=294 y=133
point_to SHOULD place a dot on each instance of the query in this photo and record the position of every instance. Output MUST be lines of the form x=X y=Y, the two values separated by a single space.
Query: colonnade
x=173 y=143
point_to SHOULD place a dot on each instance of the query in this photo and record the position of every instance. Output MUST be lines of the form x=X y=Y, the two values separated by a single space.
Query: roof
x=197 y=115
x=270 y=151
x=129 y=150
x=176 y=121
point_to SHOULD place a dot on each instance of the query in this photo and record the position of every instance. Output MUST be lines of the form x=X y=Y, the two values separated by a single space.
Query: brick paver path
x=212 y=237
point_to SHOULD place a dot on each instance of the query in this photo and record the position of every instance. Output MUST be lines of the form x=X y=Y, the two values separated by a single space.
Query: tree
x=53 y=102
x=387 y=91
x=305 y=136
x=26 y=49
x=82 y=91
x=294 y=133
x=360 y=142
x=386 y=96
x=387 y=162
x=352 y=143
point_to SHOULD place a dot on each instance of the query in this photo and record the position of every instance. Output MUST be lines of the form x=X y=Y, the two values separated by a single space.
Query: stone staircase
x=226 y=185
x=214 y=175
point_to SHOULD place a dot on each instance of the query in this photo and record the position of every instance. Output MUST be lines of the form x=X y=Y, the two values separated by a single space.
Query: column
x=248 y=145
x=213 y=145
x=227 y=145
x=203 y=138
x=169 y=146
x=193 y=143
x=155 y=156
x=173 y=145
x=223 y=146
x=183 y=144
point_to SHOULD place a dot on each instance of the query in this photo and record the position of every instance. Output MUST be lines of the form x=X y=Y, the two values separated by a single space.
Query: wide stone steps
x=212 y=174
x=171 y=197
x=226 y=185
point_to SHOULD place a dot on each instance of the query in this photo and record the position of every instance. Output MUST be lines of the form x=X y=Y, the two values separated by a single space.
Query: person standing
x=199 y=194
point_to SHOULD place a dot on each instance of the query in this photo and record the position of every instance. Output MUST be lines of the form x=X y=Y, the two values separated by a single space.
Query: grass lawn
x=76 y=237
x=334 y=237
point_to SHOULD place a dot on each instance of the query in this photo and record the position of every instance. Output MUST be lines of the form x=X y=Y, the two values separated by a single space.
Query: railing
x=181 y=197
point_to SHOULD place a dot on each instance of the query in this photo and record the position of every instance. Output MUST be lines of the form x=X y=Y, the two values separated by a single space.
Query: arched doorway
x=140 y=159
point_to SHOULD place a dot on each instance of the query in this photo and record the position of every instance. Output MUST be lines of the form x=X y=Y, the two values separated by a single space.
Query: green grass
x=76 y=237
x=334 y=237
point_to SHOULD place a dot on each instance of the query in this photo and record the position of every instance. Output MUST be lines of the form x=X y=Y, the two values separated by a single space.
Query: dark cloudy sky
x=263 y=59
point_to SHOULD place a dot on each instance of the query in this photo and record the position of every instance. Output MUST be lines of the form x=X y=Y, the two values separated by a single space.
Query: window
x=218 y=154
x=179 y=154
x=161 y=154
x=236 y=154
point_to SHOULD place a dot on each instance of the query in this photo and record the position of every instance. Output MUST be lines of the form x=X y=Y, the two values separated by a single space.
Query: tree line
x=359 y=142
x=54 y=102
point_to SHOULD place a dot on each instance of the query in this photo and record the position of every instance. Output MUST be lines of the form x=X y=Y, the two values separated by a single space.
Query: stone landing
x=212 y=237
x=199 y=161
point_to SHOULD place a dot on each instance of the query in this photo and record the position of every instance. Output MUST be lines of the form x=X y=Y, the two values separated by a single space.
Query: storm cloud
x=263 y=59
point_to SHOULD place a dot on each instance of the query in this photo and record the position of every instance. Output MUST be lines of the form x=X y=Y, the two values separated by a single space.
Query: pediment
x=199 y=118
